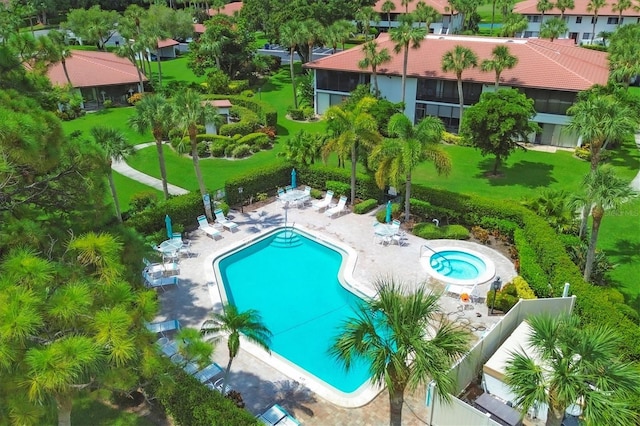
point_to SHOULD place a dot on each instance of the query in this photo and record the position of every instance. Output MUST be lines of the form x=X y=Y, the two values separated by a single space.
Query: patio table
x=292 y=196
x=170 y=246
x=384 y=230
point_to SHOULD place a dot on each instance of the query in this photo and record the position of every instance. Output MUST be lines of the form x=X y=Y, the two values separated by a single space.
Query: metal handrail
x=437 y=253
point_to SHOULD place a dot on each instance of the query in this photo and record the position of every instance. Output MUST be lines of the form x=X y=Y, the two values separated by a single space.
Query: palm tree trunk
x=497 y=81
x=293 y=82
x=225 y=378
x=493 y=14
x=593 y=28
x=159 y=67
x=388 y=21
x=196 y=166
x=597 y=214
x=116 y=203
x=407 y=196
x=139 y=73
x=66 y=72
x=584 y=218
x=375 y=81
x=64 y=404
x=461 y=99
x=404 y=70
x=163 y=169
x=354 y=160
x=396 y=401
x=554 y=416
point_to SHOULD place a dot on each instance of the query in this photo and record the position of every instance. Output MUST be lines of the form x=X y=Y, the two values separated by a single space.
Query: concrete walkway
x=128 y=171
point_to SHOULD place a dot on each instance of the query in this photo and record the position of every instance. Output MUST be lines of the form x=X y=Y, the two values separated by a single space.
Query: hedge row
x=429 y=231
x=190 y=403
x=248 y=123
x=265 y=180
x=547 y=262
x=267 y=114
x=183 y=211
x=318 y=175
x=365 y=206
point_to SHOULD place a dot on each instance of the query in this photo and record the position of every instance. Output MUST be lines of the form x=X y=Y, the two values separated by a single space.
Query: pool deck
x=262 y=385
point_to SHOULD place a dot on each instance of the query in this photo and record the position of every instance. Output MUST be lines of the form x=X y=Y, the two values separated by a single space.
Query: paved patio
x=260 y=384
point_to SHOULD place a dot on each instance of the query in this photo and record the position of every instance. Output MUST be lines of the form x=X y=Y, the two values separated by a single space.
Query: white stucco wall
x=583 y=28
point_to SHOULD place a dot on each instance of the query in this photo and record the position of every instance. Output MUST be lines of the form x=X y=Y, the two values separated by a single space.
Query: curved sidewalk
x=128 y=171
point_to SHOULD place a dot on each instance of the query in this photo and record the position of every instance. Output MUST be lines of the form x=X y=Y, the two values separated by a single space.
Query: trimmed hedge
x=430 y=231
x=339 y=188
x=424 y=210
x=191 y=403
x=265 y=180
x=183 y=211
x=509 y=295
x=365 y=206
x=256 y=140
x=268 y=115
x=316 y=176
x=248 y=122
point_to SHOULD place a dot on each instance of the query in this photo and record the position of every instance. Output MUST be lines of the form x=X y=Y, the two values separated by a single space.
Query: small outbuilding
x=224 y=109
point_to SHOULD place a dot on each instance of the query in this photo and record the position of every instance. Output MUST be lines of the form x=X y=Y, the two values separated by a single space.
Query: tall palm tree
x=457 y=60
x=54 y=49
x=291 y=36
x=189 y=111
x=542 y=6
x=553 y=28
x=501 y=59
x=154 y=112
x=396 y=158
x=404 y=341
x=116 y=148
x=574 y=364
x=594 y=7
x=350 y=129
x=365 y=16
x=620 y=6
x=372 y=59
x=624 y=61
x=234 y=322
x=405 y=3
x=602 y=191
x=426 y=14
x=312 y=33
x=563 y=5
x=402 y=36
x=387 y=7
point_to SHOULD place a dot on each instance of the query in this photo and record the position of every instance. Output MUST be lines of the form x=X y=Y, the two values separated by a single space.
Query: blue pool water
x=292 y=281
x=457 y=264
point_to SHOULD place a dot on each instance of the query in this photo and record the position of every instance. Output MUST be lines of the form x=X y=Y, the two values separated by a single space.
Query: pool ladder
x=448 y=263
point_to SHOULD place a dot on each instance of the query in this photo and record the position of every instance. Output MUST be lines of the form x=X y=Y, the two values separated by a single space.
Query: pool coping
x=488 y=274
x=368 y=390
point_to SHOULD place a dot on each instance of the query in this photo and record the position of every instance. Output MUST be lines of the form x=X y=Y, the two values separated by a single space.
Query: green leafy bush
x=455 y=232
x=218 y=81
x=237 y=86
x=183 y=209
x=218 y=147
x=450 y=138
x=365 y=206
x=509 y=295
x=316 y=194
x=317 y=176
x=241 y=151
x=257 y=140
x=247 y=124
x=142 y=200
x=430 y=231
x=296 y=113
x=203 y=149
x=424 y=210
x=267 y=113
x=266 y=180
x=338 y=188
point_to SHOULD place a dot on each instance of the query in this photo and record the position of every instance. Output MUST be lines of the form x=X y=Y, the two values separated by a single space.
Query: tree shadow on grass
x=625 y=250
x=282 y=131
x=623 y=157
x=528 y=174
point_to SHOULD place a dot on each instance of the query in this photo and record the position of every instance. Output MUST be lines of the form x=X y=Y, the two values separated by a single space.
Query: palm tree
x=404 y=340
x=303 y=148
x=457 y=60
x=624 y=61
x=396 y=158
x=402 y=36
x=542 y=6
x=574 y=364
x=116 y=148
x=373 y=58
x=426 y=14
x=153 y=112
x=563 y=5
x=405 y=3
x=189 y=111
x=365 y=16
x=553 y=28
x=602 y=191
x=501 y=59
x=620 y=6
x=312 y=32
x=387 y=7
x=512 y=24
x=234 y=322
x=349 y=129
x=554 y=206
x=594 y=6
x=291 y=36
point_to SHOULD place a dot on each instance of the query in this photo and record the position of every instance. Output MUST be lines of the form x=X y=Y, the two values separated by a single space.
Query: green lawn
x=113 y=117
x=126 y=187
x=174 y=70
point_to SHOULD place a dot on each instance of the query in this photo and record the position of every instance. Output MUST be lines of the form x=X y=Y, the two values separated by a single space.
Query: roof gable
x=541 y=63
x=90 y=69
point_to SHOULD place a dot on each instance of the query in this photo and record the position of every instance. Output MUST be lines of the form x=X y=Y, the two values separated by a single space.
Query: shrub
x=308 y=113
x=338 y=188
x=317 y=176
x=509 y=295
x=218 y=147
x=270 y=131
x=203 y=149
x=296 y=113
x=455 y=232
x=257 y=139
x=365 y=206
x=183 y=210
x=316 y=194
x=241 y=151
x=142 y=200
x=108 y=103
x=266 y=179
x=480 y=234
x=267 y=113
x=428 y=231
x=247 y=93
x=237 y=86
x=135 y=98
x=247 y=124
x=218 y=81
x=450 y=138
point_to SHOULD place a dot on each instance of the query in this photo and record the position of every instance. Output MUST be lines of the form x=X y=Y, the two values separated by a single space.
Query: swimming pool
x=458 y=266
x=294 y=281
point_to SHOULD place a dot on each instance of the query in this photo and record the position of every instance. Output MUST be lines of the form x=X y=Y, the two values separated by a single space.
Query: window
x=450 y=116
x=447 y=91
x=550 y=101
x=533 y=18
x=340 y=81
x=612 y=21
x=586 y=36
x=528 y=34
x=578 y=19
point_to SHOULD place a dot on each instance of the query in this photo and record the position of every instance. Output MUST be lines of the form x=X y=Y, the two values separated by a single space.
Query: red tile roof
x=90 y=69
x=199 y=28
x=442 y=6
x=528 y=7
x=229 y=9
x=167 y=42
x=541 y=63
x=219 y=103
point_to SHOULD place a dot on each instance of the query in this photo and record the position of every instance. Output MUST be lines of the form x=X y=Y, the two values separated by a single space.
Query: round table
x=170 y=246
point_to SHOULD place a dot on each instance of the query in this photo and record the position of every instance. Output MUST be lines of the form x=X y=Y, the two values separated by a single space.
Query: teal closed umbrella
x=167 y=221
x=294 y=184
x=387 y=218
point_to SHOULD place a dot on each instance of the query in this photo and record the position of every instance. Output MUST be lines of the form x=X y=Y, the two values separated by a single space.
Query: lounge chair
x=222 y=220
x=276 y=415
x=160 y=282
x=208 y=373
x=203 y=224
x=156 y=270
x=220 y=387
x=323 y=204
x=339 y=209
x=164 y=326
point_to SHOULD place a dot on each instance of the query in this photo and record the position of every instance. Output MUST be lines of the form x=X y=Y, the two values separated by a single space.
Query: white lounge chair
x=208 y=373
x=157 y=270
x=222 y=220
x=323 y=204
x=203 y=224
x=164 y=326
x=305 y=199
x=339 y=209
x=160 y=282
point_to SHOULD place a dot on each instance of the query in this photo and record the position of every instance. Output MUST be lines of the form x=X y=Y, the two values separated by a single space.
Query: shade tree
x=499 y=123
x=93 y=25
